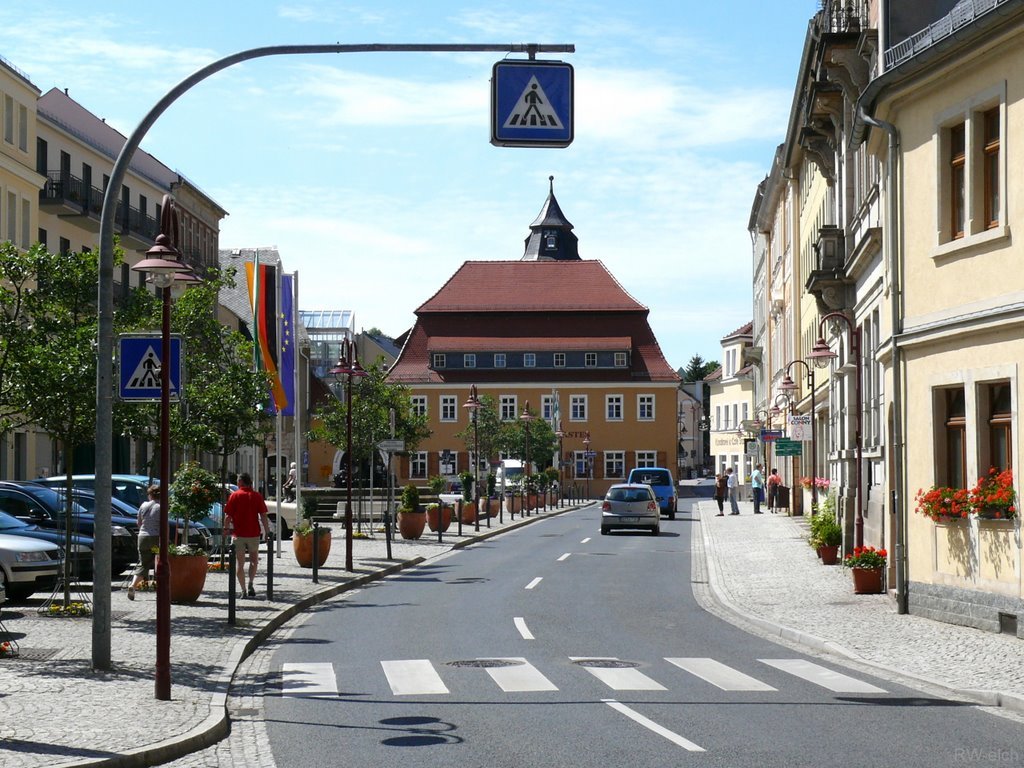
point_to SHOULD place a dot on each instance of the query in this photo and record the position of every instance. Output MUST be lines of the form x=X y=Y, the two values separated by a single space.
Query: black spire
x=551 y=237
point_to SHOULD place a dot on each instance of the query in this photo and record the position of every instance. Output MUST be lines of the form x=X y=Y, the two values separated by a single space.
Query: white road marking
x=585 y=540
x=413 y=677
x=520 y=623
x=720 y=675
x=646 y=722
x=521 y=678
x=564 y=557
x=822 y=676
x=620 y=679
x=535 y=582
x=308 y=680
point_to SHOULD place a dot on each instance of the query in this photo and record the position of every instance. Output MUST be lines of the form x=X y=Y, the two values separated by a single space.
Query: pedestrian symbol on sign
x=534 y=109
x=147 y=372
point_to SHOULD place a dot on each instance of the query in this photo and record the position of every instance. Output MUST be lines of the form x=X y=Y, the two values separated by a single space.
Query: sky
x=373 y=173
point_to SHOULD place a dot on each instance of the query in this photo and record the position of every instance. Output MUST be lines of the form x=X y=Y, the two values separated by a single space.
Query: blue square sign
x=532 y=104
x=141 y=358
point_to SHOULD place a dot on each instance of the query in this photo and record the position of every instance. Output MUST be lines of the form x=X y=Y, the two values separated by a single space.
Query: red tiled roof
x=743 y=330
x=552 y=286
x=526 y=344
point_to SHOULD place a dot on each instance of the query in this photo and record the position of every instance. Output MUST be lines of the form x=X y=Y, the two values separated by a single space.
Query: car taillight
x=606 y=506
x=652 y=506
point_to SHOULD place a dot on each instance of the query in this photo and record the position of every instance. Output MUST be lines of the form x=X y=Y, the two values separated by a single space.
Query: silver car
x=27 y=565
x=630 y=505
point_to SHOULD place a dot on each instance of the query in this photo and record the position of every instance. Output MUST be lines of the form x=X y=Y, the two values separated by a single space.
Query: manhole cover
x=607 y=663
x=484 y=663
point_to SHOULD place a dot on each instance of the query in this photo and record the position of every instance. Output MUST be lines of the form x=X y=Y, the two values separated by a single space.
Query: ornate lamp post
x=526 y=417
x=586 y=458
x=560 y=435
x=789 y=386
x=164 y=266
x=473 y=404
x=349 y=367
x=822 y=353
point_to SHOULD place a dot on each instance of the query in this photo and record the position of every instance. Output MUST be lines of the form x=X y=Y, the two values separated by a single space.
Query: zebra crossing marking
x=310 y=680
x=413 y=677
x=521 y=678
x=720 y=675
x=819 y=675
x=619 y=678
x=520 y=624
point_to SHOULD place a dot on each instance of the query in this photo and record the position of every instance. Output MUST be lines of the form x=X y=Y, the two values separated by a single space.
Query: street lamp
x=349 y=367
x=560 y=435
x=164 y=266
x=586 y=459
x=473 y=404
x=526 y=417
x=821 y=354
x=788 y=385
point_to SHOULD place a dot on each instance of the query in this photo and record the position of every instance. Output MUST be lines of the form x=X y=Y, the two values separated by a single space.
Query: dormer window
x=550 y=240
x=439 y=360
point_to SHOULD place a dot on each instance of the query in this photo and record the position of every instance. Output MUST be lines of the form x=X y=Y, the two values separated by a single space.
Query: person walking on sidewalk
x=734 y=503
x=245 y=515
x=721 y=491
x=757 y=487
x=149 y=537
x=773 y=482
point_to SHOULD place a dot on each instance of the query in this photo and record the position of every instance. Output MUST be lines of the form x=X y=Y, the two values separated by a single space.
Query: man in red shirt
x=244 y=515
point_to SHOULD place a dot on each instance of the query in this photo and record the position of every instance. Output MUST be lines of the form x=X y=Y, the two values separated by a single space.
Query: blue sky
x=373 y=173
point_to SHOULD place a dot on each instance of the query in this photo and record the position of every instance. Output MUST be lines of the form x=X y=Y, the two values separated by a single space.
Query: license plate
x=630 y=519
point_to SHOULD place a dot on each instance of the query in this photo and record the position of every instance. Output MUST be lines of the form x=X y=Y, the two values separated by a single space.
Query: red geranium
x=940 y=502
x=994 y=495
x=866 y=557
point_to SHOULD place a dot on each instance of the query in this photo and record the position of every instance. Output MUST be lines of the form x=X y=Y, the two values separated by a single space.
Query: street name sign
x=532 y=104
x=391 y=446
x=139 y=357
x=786 y=447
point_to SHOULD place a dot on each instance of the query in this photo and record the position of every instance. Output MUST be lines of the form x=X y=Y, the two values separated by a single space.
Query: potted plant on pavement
x=866 y=564
x=411 y=519
x=439 y=514
x=192 y=493
x=830 y=537
x=468 y=505
x=302 y=537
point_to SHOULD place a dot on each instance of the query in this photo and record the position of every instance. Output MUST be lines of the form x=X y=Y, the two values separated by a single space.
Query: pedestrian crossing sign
x=532 y=104
x=140 y=362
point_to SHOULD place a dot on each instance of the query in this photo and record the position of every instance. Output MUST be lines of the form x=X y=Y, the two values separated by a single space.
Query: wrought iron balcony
x=69 y=195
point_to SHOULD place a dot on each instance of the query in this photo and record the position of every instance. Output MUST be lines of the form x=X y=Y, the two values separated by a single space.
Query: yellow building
x=732 y=407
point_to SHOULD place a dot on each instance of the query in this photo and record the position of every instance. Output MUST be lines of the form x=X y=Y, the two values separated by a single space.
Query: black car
x=123 y=513
x=46 y=508
x=80 y=549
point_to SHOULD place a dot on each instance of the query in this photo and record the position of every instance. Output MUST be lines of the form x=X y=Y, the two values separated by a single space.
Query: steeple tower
x=551 y=237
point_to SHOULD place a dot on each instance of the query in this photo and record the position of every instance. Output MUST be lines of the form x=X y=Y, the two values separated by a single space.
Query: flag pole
x=277 y=407
x=296 y=410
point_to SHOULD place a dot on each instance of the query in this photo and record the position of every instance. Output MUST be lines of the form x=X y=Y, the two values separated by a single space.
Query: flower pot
x=468 y=512
x=867 y=581
x=439 y=518
x=411 y=524
x=993 y=513
x=532 y=501
x=829 y=554
x=187 y=577
x=512 y=504
x=302 y=545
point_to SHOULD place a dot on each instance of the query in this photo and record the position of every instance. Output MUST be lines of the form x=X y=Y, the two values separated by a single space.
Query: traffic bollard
x=316 y=550
x=232 y=583
x=270 y=567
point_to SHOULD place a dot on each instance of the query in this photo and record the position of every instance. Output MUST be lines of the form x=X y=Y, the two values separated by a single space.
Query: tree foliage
x=697 y=369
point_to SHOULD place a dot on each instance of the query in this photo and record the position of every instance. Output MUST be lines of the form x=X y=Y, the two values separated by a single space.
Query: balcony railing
x=76 y=193
x=963 y=13
x=841 y=16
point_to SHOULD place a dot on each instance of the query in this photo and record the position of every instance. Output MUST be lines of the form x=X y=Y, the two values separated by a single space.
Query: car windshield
x=11 y=523
x=629 y=494
x=652 y=478
x=53 y=499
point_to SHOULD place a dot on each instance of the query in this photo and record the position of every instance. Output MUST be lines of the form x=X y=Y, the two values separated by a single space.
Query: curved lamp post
x=790 y=386
x=349 y=367
x=560 y=435
x=473 y=404
x=526 y=417
x=823 y=353
x=164 y=266
x=586 y=459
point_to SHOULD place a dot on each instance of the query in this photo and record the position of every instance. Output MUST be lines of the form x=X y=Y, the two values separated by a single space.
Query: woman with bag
x=721 y=491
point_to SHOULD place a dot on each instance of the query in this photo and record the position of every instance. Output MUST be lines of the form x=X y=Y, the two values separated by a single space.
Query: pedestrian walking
x=721 y=491
x=289 y=484
x=773 y=482
x=245 y=515
x=149 y=538
x=757 y=488
x=733 y=486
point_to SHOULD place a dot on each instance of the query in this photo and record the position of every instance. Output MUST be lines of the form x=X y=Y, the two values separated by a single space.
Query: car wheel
x=656 y=530
x=604 y=531
x=672 y=515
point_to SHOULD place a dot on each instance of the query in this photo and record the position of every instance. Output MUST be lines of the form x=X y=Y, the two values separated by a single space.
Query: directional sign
x=391 y=446
x=140 y=363
x=531 y=104
x=770 y=434
x=787 y=447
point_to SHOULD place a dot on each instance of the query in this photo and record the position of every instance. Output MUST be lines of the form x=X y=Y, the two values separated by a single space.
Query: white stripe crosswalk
x=421 y=677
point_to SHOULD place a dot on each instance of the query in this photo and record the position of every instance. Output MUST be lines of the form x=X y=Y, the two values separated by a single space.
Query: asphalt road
x=556 y=646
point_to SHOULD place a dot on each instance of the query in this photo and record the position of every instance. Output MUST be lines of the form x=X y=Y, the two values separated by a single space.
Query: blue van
x=660 y=479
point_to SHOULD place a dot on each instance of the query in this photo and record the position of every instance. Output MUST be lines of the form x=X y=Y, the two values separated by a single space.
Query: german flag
x=262 y=279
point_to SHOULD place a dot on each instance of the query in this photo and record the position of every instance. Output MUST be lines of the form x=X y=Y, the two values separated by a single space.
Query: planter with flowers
x=866 y=564
x=193 y=492
x=993 y=498
x=943 y=504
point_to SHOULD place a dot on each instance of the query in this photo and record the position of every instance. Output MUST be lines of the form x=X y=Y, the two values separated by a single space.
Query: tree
x=697 y=369
x=17 y=277
x=543 y=442
x=488 y=429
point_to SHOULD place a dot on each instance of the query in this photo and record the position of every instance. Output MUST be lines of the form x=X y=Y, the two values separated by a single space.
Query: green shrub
x=410 y=498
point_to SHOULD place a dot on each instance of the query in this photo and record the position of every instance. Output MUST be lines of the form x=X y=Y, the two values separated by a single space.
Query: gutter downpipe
x=892 y=245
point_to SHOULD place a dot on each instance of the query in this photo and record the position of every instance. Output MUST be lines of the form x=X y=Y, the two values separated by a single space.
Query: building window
x=529 y=360
x=646 y=459
x=419 y=405
x=418 y=464
x=718 y=417
x=590 y=359
x=579 y=460
x=645 y=407
x=448 y=408
x=613 y=407
x=499 y=359
x=9 y=119
x=957 y=180
x=559 y=360
x=508 y=408
x=439 y=360
x=578 y=408
x=615 y=464
x=956 y=439
x=469 y=361
x=1000 y=426
x=547 y=407
x=621 y=359
x=990 y=166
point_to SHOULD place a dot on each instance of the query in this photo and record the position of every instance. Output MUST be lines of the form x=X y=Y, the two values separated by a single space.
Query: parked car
x=79 y=550
x=660 y=479
x=630 y=505
x=125 y=514
x=27 y=565
x=38 y=505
